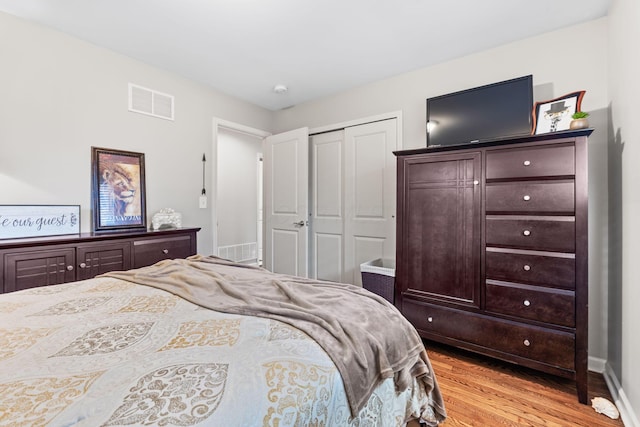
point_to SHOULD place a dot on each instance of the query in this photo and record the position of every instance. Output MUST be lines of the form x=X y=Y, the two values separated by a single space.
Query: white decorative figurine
x=166 y=218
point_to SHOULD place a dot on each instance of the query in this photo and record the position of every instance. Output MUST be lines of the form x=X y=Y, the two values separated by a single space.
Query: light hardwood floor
x=480 y=391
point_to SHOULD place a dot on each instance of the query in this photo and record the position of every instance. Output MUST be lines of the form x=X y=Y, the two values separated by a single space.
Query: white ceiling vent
x=150 y=102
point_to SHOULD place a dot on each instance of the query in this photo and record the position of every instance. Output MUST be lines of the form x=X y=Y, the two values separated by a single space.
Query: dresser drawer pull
x=165 y=251
x=526 y=267
x=430 y=319
x=526 y=303
x=83 y=265
x=70 y=267
x=526 y=198
x=527 y=343
x=476 y=182
x=526 y=163
x=526 y=233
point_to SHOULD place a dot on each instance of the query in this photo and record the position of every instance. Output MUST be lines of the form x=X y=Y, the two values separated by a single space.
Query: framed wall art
x=17 y=221
x=118 y=196
x=555 y=114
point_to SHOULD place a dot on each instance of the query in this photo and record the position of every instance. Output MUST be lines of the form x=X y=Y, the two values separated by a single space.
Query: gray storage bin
x=379 y=276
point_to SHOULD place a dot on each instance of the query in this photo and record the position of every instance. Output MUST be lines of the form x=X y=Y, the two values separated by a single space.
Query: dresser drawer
x=555 y=348
x=538 y=197
x=545 y=161
x=550 y=234
x=521 y=267
x=150 y=251
x=546 y=305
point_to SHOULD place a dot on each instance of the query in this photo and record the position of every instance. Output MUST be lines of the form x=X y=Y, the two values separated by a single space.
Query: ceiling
x=314 y=47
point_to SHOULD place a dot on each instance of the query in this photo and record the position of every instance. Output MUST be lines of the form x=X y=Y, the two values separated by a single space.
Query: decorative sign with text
x=38 y=220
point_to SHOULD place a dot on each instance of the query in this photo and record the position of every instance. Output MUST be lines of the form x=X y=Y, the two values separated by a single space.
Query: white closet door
x=370 y=201
x=286 y=200
x=327 y=214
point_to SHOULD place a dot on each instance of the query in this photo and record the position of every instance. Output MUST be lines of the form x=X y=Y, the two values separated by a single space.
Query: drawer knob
x=527 y=267
x=430 y=319
x=70 y=267
x=83 y=265
x=165 y=251
x=476 y=182
x=526 y=303
x=526 y=198
x=526 y=232
x=526 y=163
x=527 y=343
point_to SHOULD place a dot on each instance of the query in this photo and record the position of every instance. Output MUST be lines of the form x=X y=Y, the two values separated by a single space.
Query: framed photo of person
x=555 y=114
x=118 y=198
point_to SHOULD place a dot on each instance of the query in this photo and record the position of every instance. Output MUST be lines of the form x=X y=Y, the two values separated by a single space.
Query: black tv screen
x=483 y=113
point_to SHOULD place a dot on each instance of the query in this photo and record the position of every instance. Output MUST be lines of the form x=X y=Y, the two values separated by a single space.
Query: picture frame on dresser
x=554 y=115
x=118 y=196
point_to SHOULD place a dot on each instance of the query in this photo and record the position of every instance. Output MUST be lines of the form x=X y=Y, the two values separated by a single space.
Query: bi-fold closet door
x=329 y=200
x=352 y=199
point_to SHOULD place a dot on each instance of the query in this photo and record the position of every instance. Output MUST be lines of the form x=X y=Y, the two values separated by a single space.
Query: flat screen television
x=479 y=114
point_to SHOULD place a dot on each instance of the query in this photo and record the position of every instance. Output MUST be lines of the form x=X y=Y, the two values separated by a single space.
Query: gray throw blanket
x=365 y=336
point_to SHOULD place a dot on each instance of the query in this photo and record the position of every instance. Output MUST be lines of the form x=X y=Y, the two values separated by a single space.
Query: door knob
x=299 y=223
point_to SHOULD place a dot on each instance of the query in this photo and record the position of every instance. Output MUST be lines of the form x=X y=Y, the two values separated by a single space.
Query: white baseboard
x=243 y=252
x=595 y=364
x=629 y=418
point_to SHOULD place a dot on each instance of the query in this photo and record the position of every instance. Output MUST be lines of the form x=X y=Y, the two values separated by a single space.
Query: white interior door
x=286 y=200
x=327 y=212
x=370 y=201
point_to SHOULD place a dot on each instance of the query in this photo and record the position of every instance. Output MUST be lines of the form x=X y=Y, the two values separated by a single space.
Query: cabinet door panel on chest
x=443 y=216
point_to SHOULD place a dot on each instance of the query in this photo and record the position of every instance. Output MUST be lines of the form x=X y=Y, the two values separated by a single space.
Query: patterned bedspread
x=105 y=352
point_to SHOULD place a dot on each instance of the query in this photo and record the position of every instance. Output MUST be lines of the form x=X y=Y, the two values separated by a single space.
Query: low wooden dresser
x=33 y=262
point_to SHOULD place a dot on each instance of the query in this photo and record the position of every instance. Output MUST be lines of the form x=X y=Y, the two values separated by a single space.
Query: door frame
x=213 y=182
x=260 y=133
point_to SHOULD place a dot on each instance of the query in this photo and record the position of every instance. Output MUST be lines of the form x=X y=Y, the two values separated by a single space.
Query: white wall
x=552 y=58
x=60 y=96
x=558 y=65
x=237 y=195
x=624 y=206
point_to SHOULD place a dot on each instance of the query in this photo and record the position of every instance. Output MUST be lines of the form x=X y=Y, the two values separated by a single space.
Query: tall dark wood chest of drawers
x=491 y=251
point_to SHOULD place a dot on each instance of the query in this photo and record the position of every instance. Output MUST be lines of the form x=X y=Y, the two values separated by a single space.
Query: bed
x=207 y=342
